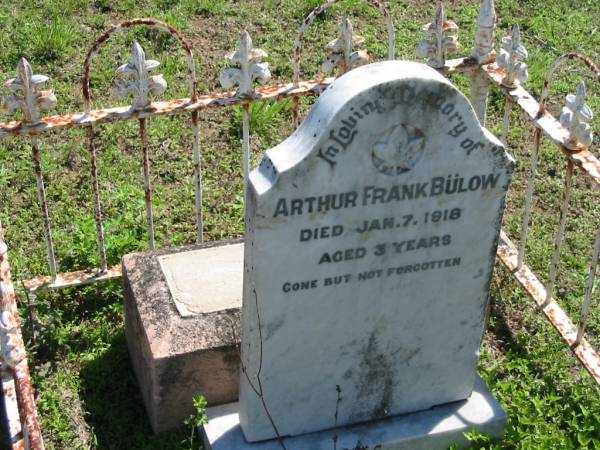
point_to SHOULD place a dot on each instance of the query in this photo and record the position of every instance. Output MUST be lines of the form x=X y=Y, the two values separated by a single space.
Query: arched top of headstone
x=399 y=110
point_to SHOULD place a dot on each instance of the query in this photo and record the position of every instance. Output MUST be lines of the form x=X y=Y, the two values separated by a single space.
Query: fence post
x=483 y=53
x=250 y=69
x=30 y=101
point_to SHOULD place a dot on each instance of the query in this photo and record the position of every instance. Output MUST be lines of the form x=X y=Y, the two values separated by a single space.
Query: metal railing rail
x=574 y=140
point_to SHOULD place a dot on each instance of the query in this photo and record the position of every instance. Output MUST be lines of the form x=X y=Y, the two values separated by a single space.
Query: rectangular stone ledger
x=177 y=356
x=370 y=244
x=204 y=280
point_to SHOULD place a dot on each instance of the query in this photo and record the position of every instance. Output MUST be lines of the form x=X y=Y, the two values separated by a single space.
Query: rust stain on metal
x=306 y=23
x=319 y=9
x=168 y=107
x=542 y=119
x=572 y=143
x=587 y=61
x=27 y=405
x=71 y=279
x=11 y=408
x=541 y=112
x=507 y=253
x=558 y=63
x=87 y=95
x=22 y=379
x=459 y=65
x=298 y=42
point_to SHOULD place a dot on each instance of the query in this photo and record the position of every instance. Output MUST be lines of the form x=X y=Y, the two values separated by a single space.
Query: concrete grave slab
x=176 y=357
x=433 y=429
x=370 y=243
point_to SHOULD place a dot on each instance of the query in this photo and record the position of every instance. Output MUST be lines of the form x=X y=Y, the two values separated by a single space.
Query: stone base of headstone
x=182 y=330
x=433 y=429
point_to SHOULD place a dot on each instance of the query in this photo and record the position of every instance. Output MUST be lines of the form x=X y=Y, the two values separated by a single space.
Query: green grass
x=88 y=396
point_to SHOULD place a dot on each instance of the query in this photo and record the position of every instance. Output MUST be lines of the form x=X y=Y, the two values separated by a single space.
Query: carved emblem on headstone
x=398 y=149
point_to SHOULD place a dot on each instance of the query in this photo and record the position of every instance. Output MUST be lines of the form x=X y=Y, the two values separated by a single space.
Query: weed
x=265 y=118
x=207 y=8
x=477 y=439
x=196 y=419
x=50 y=41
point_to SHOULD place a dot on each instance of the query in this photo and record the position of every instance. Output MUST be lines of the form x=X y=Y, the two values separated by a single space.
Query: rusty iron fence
x=19 y=401
x=504 y=71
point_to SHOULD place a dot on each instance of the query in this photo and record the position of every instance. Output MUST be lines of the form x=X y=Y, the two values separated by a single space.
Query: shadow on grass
x=500 y=323
x=72 y=320
x=114 y=403
x=502 y=330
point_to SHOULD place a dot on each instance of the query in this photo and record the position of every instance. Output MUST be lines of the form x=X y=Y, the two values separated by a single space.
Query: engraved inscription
x=451 y=184
x=385 y=272
x=425 y=222
x=399 y=148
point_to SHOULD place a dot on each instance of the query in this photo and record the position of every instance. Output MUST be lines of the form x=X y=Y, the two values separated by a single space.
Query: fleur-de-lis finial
x=442 y=39
x=341 y=51
x=32 y=98
x=250 y=67
x=575 y=117
x=140 y=86
x=510 y=54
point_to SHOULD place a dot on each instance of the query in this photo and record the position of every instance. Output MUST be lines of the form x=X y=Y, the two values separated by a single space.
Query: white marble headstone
x=370 y=244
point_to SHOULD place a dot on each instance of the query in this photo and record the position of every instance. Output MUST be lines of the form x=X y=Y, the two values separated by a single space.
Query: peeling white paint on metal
x=27 y=93
x=140 y=86
x=575 y=116
x=570 y=133
x=509 y=59
x=484 y=52
x=551 y=309
x=251 y=68
x=29 y=97
x=342 y=55
x=441 y=38
x=12 y=352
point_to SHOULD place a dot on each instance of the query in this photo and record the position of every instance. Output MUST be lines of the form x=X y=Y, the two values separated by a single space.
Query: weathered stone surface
x=177 y=357
x=370 y=244
x=433 y=429
x=205 y=280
